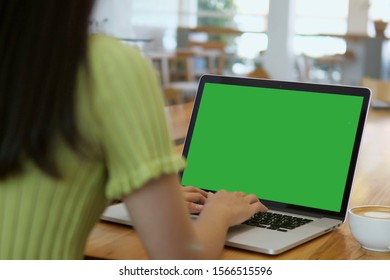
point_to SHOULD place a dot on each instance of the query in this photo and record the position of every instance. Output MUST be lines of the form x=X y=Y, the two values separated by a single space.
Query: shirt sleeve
x=131 y=120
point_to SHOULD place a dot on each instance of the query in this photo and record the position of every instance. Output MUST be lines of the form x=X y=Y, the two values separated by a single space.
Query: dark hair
x=43 y=43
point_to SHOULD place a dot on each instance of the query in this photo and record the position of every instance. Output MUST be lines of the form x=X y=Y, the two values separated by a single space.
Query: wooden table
x=371 y=186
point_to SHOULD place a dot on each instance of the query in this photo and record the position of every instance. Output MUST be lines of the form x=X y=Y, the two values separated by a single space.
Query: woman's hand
x=237 y=207
x=195 y=198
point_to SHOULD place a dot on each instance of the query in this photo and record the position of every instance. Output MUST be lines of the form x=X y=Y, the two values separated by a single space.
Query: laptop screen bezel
x=298 y=86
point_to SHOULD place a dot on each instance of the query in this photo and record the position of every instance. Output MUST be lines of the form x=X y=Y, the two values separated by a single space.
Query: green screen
x=287 y=146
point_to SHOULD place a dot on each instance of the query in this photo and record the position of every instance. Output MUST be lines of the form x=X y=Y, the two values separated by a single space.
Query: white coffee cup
x=370 y=225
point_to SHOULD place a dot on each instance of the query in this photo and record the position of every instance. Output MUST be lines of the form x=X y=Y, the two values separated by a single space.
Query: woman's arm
x=162 y=219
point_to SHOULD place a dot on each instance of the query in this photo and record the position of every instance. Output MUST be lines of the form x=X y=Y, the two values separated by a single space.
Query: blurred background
x=325 y=41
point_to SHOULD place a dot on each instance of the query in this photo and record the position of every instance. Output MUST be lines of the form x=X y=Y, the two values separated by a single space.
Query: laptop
x=294 y=145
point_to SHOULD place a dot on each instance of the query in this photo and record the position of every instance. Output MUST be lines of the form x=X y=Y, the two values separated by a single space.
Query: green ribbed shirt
x=120 y=114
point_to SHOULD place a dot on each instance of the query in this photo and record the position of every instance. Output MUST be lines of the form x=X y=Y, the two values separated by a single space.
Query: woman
x=81 y=123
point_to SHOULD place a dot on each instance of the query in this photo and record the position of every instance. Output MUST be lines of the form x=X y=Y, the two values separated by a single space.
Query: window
x=161 y=20
x=247 y=17
x=155 y=19
x=319 y=17
x=149 y=18
x=379 y=10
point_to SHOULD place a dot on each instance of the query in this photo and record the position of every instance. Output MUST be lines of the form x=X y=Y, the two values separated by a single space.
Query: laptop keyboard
x=276 y=221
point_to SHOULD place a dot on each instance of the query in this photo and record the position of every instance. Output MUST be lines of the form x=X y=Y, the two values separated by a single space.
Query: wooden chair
x=308 y=65
x=185 y=89
x=213 y=52
x=182 y=86
x=184 y=81
x=380 y=91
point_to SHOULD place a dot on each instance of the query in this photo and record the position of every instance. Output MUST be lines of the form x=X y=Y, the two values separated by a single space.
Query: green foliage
x=215 y=5
x=218 y=6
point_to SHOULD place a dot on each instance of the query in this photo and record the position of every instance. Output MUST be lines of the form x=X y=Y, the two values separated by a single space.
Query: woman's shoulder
x=99 y=41
x=105 y=46
x=116 y=69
